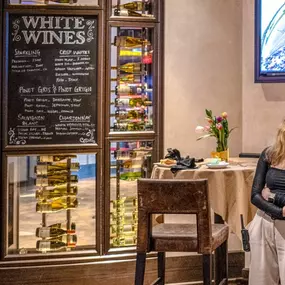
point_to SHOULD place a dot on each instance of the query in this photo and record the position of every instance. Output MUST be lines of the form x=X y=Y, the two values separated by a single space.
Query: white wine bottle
x=68 y=239
x=134 y=6
x=129 y=90
x=55 y=193
x=51 y=245
x=55 y=180
x=49 y=232
x=129 y=78
x=54 y=158
x=59 y=168
x=131 y=42
x=124 y=241
x=57 y=205
x=130 y=13
x=130 y=67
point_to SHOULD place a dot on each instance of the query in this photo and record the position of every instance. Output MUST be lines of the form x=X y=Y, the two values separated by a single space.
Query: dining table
x=229 y=188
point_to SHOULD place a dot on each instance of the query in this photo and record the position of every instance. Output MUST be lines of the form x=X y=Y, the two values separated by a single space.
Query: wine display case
x=81 y=122
x=51 y=203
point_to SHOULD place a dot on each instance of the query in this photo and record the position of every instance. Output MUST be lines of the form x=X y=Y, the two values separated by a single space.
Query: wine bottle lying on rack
x=131 y=42
x=54 y=158
x=131 y=67
x=71 y=240
x=55 y=193
x=130 y=78
x=130 y=13
x=50 y=232
x=50 y=245
x=135 y=6
x=124 y=241
x=60 y=168
x=129 y=90
x=55 y=180
x=57 y=205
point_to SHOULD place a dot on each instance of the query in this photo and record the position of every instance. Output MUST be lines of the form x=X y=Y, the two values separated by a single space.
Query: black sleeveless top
x=274 y=179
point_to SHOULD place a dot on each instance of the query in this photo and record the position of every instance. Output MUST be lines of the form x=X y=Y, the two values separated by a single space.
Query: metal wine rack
x=40 y=183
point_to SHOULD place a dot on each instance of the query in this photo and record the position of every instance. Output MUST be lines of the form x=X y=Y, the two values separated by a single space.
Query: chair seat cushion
x=183 y=237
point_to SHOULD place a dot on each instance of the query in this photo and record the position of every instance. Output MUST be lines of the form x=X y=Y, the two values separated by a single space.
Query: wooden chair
x=172 y=196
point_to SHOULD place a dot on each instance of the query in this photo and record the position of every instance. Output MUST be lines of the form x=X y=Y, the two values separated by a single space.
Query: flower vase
x=223 y=155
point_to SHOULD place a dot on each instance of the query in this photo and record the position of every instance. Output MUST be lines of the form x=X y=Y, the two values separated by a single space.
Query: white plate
x=164 y=165
x=217 y=166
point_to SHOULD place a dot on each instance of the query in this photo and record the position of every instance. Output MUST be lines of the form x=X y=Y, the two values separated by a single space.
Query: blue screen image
x=272 y=57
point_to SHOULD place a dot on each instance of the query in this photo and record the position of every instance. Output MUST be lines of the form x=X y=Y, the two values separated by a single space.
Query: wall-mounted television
x=269 y=40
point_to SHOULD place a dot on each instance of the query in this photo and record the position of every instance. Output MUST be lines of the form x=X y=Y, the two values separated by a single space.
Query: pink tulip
x=207 y=128
x=219 y=126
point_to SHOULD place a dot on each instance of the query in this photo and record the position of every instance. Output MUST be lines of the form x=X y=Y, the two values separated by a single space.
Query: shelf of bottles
x=129 y=161
x=137 y=9
x=131 y=107
x=54 y=2
x=56 y=191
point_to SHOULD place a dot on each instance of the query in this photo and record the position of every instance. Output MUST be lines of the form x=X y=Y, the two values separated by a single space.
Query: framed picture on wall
x=269 y=41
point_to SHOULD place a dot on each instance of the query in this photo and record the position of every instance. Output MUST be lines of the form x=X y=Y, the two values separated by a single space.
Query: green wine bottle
x=51 y=245
x=134 y=6
x=55 y=193
x=49 y=232
x=54 y=158
x=55 y=180
x=59 y=168
x=57 y=205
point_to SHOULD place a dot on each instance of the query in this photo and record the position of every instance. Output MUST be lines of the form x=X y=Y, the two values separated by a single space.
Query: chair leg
x=207 y=269
x=140 y=268
x=221 y=264
x=161 y=267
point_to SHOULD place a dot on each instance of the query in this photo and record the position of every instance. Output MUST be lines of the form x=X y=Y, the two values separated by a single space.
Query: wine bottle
x=130 y=176
x=68 y=239
x=131 y=67
x=55 y=180
x=129 y=78
x=62 y=225
x=55 y=193
x=133 y=201
x=51 y=245
x=124 y=241
x=59 y=168
x=134 y=6
x=131 y=42
x=125 y=217
x=130 y=90
x=49 y=232
x=54 y=158
x=130 y=13
x=57 y=205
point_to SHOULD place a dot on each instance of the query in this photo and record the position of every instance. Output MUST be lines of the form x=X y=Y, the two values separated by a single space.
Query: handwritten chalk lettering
x=44 y=90
x=28 y=90
x=31 y=118
x=35 y=52
x=82 y=89
x=75 y=118
x=81 y=52
x=65 y=52
x=62 y=89
x=73 y=79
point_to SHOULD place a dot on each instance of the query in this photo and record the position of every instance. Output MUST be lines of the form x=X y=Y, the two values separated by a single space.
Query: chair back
x=173 y=196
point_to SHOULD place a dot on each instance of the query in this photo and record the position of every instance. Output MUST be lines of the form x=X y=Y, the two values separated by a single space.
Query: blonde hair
x=276 y=153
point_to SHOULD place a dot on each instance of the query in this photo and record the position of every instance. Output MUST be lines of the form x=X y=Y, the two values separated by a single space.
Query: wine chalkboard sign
x=52 y=87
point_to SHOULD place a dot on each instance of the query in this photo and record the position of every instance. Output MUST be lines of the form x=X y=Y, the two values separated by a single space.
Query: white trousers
x=267 y=252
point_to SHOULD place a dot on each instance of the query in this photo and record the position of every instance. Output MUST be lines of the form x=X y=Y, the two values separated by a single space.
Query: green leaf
x=208 y=113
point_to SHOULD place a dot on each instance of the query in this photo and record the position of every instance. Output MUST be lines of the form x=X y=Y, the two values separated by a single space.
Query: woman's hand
x=265 y=193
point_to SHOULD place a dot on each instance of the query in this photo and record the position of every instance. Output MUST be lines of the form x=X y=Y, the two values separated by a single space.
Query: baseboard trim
x=179 y=269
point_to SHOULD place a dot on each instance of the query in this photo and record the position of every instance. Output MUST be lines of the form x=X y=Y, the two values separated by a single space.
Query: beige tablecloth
x=229 y=190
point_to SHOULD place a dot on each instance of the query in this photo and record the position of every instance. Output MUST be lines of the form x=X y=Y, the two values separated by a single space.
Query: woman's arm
x=257 y=187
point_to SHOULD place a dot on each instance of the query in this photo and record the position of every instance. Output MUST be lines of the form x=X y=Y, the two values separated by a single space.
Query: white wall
x=203 y=69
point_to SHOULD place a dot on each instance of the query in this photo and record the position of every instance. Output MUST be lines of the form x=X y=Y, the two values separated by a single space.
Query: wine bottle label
x=44 y=245
x=43 y=232
x=46 y=158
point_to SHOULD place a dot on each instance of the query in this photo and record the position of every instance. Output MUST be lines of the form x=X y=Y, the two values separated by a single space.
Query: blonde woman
x=267 y=230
